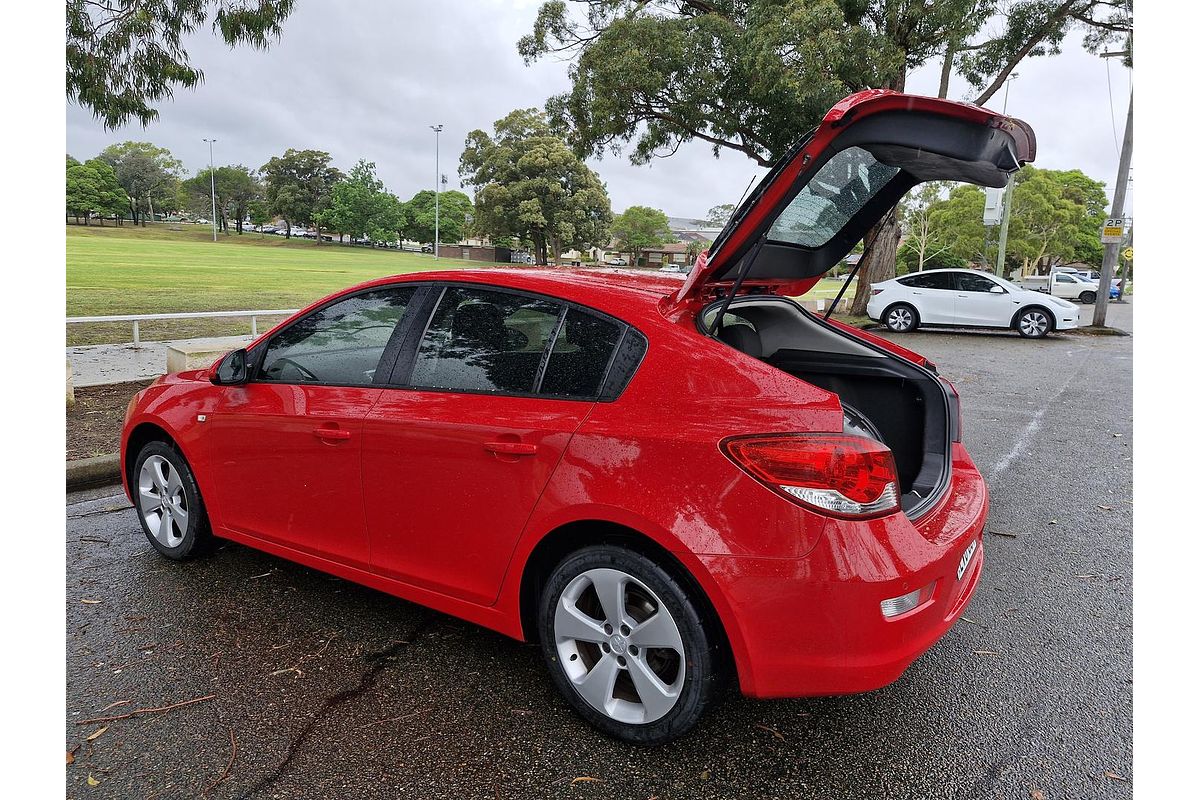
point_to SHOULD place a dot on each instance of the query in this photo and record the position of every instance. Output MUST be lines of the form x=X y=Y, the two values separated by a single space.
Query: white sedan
x=966 y=298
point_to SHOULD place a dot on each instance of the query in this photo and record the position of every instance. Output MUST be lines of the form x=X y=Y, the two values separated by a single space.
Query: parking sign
x=1113 y=231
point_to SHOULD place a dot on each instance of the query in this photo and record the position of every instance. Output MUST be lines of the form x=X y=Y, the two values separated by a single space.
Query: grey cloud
x=365 y=79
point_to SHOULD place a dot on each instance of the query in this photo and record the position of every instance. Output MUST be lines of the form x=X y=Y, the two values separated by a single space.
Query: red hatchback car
x=671 y=485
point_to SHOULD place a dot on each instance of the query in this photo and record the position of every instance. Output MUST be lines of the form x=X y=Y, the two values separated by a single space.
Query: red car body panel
x=413 y=492
x=757 y=558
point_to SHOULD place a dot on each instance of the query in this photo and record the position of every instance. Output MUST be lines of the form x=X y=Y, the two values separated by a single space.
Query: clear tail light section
x=836 y=474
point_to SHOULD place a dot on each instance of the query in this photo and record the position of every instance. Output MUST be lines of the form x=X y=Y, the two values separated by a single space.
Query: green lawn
x=130 y=270
x=155 y=270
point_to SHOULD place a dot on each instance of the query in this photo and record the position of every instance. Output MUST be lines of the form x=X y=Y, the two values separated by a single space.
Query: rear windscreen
x=835 y=194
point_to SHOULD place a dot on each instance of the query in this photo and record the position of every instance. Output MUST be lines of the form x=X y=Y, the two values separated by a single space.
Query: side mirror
x=997 y=290
x=232 y=370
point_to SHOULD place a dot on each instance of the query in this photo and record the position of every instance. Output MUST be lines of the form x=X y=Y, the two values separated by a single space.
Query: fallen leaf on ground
x=71 y=754
x=968 y=619
x=91 y=602
x=1105 y=508
x=1004 y=533
x=586 y=779
x=1053 y=522
x=92 y=781
x=97 y=734
x=705 y=775
x=1037 y=794
x=1114 y=776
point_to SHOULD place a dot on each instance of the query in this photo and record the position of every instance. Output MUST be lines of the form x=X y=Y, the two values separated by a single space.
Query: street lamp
x=212 y=181
x=437 y=131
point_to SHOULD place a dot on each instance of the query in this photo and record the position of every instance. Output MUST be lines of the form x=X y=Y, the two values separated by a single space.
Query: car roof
x=613 y=291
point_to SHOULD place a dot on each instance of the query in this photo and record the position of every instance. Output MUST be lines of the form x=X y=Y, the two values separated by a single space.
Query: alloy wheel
x=900 y=319
x=619 y=646
x=162 y=501
x=1034 y=323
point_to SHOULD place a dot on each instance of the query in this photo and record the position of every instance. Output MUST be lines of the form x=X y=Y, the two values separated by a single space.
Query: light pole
x=437 y=179
x=1008 y=190
x=212 y=182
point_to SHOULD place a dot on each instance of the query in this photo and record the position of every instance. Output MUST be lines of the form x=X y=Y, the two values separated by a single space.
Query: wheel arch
x=141 y=434
x=572 y=536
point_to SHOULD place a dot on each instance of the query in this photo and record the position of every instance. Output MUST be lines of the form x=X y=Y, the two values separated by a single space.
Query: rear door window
x=581 y=355
x=338 y=345
x=485 y=341
x=928 y=280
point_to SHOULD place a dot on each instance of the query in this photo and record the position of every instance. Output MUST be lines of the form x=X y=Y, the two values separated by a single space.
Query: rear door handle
x=511 y=448
x=331 y=434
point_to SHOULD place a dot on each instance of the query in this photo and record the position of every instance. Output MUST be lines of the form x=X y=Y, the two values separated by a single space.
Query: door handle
x=331 y=434
x=918 y=293
x=511 y=448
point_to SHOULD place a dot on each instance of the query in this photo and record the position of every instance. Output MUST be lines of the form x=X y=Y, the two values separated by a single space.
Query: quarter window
x=340 y=344
x=483 y=341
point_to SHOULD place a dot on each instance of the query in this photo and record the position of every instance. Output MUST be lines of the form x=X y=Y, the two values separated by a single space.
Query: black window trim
x=387 y=358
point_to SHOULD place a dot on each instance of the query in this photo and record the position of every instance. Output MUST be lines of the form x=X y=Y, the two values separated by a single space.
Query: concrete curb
x=86 y=473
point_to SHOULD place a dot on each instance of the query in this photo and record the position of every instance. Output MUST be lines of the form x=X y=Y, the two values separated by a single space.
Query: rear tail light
x=836 y=474
x=875 y=291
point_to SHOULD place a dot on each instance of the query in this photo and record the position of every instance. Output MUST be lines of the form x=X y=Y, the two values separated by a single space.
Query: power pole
x=1100 y=314
x=1008 y=190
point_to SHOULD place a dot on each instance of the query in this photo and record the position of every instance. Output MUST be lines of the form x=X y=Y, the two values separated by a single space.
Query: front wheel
x=1033 y=323
x=168 y=502
x=1087 y=298
x=900 y=318
x=626 y=645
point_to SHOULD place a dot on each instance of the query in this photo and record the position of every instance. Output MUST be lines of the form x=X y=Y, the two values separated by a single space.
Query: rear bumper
x=813 y=626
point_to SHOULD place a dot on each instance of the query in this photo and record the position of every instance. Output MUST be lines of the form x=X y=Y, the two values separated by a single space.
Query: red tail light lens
x=836 y=474
x=876 y=291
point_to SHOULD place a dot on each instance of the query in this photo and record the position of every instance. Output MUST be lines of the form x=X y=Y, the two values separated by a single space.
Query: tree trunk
x=878 y=261
x=947 y=69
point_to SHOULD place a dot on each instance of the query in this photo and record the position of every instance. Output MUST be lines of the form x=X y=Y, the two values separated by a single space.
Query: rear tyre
x=1087 y=298
x=626 y=646
x=168 y=502
x=901 y=318
x=1033 y=323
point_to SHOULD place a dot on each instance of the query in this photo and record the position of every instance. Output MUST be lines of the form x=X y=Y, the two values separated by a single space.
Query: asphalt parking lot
x=307 y=686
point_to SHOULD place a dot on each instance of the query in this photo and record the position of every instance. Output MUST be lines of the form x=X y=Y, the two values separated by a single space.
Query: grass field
x=129 y=270
x=156 y=270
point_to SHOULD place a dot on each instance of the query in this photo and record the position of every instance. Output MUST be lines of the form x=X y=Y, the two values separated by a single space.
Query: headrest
x=479 y=324
x=741 y=337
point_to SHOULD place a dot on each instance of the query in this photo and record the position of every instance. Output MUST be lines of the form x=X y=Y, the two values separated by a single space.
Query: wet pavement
x=307 y=686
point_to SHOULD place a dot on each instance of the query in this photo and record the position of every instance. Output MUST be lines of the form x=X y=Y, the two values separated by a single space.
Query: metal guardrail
x=137 y=318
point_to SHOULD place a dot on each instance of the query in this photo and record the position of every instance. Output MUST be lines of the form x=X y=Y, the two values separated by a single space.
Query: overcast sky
x=366 y=79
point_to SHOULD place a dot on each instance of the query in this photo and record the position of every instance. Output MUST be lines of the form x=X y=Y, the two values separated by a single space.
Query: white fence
x=138 y=318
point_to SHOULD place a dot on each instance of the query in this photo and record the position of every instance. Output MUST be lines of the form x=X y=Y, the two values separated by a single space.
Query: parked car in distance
x=491 y=443
x=963 y=298
x=268 y=229
x=1064 y=285
x=426 y=248
x=672 y=268
x=617 y=262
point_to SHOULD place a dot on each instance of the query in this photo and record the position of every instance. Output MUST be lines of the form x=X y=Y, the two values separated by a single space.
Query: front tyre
x=900 y=318
x=1033 y=323
x=626 y=645
x=168 y=502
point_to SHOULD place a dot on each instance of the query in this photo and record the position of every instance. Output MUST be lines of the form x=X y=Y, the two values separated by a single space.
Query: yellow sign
x=1127 y=254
